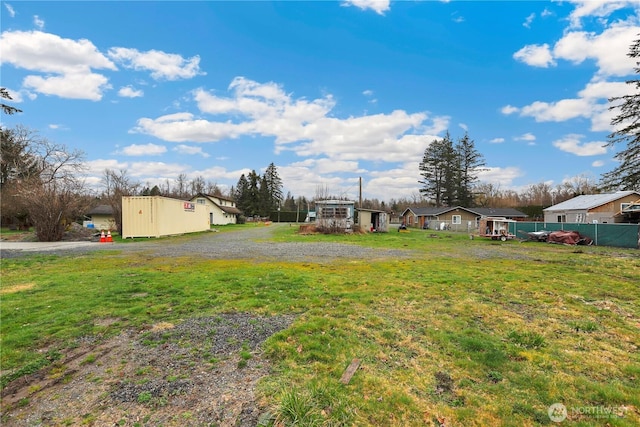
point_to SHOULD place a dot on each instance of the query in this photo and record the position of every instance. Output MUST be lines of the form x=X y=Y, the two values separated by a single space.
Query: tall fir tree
x=470 y=162
x=626 y=176
x=274 y=186
x=241 y=194
x=437 y=171
x=449 y=172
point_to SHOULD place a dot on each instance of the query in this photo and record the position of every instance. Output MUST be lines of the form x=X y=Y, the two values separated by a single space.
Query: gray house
x=456 y=218
x=603 y=208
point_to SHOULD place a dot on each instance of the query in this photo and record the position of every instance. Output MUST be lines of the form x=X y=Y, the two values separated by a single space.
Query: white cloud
x=458 y=19
x=609 y=49
x=367 y=92
x=49 y=53
x=378 y=6
x=143 y=150
x=74 y=86
x=559 y=111
x=67 y=64
x=303 y=126
x=167 y=66
x=10 y=10
x=98 y=166
x=571 y=144
x=597 y=164
x=190 y=150
x=600 y=9
x=157 y=169
x=509 y=109
x=129 y=92
x=496 y=141
x=39 y=23
x=526 y=137
x=528 y=20
x=500 y=176
x=535 y=55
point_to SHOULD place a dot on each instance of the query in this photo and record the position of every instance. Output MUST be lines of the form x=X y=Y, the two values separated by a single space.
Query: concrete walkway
x=44 y=246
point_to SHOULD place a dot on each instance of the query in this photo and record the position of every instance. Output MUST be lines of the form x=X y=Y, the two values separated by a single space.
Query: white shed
x=155 y=216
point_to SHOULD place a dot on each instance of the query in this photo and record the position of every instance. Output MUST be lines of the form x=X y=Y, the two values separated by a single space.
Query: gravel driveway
x=249 y=243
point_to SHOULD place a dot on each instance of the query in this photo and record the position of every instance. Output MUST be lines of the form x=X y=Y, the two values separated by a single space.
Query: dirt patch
x=203 y=371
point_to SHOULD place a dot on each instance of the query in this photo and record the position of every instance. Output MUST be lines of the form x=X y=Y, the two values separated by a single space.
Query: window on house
x=456 y=219
x=562 y=218
x=579 y=217
x=334 y=212
x=201 y=201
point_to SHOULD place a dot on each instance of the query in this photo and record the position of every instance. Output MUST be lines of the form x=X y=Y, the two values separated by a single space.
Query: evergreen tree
x=470 y=163
x=626 y=176
x=449 y=172
x=265 y=201
x=273 y=187
x=241 y=194
x=253 y=194
x=437 y=171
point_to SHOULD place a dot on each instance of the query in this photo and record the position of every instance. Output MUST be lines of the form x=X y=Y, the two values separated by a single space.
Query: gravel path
x=249 y=243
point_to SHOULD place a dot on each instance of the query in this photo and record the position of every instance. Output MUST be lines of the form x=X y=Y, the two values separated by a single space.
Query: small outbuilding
x=101 y=218
x=156 y=216
x=602 y=208
x=373 y=220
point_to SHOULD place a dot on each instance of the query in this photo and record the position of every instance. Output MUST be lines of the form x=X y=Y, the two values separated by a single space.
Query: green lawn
x=466 y=332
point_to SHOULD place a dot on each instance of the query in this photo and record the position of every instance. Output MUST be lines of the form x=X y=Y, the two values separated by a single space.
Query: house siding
x=217 y=215
x=604 y=213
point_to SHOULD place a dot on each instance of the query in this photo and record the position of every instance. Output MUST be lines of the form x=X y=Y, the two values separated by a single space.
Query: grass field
x=467 y=332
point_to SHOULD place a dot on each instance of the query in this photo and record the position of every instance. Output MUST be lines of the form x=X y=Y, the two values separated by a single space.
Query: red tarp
x=568 y=238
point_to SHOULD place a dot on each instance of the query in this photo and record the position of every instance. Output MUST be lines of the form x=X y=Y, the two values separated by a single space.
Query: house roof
x=370 y=210
x=101 y=210
x=334 y=202
x=505 y=212
x=226 y=209
x=502 y=212
x=230 y=209
x=590 y=201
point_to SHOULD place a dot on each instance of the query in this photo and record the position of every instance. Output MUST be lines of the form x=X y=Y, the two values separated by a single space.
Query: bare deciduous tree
x=51 y=188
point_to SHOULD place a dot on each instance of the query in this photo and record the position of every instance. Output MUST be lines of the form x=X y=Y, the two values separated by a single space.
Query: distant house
x=373 y=220
x=101 y=218
x=455 y=218
x=222 y=210
x=618 y=207
x=335 y=214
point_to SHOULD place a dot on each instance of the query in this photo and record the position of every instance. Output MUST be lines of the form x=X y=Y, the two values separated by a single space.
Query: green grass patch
x=467 y=332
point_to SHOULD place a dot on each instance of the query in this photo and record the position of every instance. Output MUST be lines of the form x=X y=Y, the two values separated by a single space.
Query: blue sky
x=328 y=91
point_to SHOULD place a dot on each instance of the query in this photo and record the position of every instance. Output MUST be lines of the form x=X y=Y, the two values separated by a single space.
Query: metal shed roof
x=590 y=201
